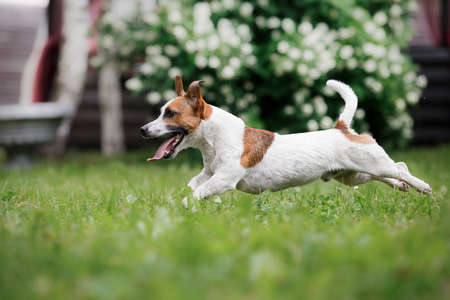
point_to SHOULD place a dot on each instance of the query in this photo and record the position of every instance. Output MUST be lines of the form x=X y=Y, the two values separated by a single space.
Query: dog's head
x=180 y=117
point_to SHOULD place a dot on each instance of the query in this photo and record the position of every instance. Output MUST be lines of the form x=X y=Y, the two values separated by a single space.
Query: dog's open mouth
x=167 y=148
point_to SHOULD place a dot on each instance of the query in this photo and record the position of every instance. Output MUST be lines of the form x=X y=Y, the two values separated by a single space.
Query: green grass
x=92 y=227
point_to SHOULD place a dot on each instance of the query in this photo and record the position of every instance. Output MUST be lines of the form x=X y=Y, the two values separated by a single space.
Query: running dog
x=236 y=156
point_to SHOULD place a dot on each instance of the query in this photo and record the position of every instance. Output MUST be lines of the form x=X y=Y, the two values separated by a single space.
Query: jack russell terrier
x=236 y=156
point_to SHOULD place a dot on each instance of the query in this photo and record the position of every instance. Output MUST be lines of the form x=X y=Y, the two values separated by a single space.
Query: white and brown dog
x=236 y=156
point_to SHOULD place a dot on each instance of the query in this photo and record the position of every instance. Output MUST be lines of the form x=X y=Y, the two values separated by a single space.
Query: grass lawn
x=92 y=227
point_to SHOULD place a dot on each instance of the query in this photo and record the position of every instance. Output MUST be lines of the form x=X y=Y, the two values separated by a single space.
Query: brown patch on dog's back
x=360 y=139
x=256 y=143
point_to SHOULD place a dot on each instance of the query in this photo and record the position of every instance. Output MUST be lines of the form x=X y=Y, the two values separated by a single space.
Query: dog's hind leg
x=352 y=178
x=379 y=165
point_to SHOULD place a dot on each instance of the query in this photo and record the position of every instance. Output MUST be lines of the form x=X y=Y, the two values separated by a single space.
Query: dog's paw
x=403 y=186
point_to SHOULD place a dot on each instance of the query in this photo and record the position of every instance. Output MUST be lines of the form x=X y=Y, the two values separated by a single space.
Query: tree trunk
x=110 y=101
x=70 y=77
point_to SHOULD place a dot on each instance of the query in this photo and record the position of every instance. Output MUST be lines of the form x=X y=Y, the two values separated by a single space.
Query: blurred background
x=110 y=64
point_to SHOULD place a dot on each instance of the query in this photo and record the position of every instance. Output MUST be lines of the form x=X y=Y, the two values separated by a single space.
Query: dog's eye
x=169 y=113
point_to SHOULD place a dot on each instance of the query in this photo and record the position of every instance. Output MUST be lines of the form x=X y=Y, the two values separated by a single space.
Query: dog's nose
x=144 y=131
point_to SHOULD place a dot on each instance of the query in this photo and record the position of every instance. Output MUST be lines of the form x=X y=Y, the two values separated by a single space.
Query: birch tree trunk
x=70 y=76
x=111 y=117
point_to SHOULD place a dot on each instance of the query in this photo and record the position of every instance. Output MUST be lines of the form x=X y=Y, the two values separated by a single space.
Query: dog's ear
x=195 y=99
x=194 y=93
x=179 y=86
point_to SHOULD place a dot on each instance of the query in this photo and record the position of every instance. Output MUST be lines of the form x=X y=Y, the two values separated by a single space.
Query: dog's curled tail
x=349 y=96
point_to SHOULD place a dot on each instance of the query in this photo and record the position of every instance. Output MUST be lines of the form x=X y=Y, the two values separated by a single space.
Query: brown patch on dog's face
x=180 y=113
x=360 y=139
x=256 y=143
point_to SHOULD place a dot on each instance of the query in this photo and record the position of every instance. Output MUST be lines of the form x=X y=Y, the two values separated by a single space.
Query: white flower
x=263 y=3
x=147 y=69
x=384 y=70
x=400 y=104
x=180 y=32
x=251 y=60
x=273 y=23
x=213 y=42
x=380 y=18
x=360 y=113
x=175 y=16
x=169 y=94
x=315 y=74
x=320 y=105
x=214 y=62
x=161 y=61
x=200 y=61
x=191 y=46
x=234 y=41
x=228 y=4
x=312 y=125
x=246 y=48
x=209 y=80
x=228 y=72
x=174 y=72
x=246 y=9
x=201 y=44
x=377 y=87
x=370 y=66
x=153 y=98
x=305 y=28
x=260 y=21
x=346 y=52
x=172 y=50
x=326 y=122
x=283 y=47
x=396 y=69
x=409 y=77
x=395 y=10
x=134 y=84
x=358 y=13
x=299 y=97
x=421 y=81
x=202 y=11
x=294 y=53
x=379 y=34
x=302 y=69
x=235 y=62
x=151 y=18
x=289 y=110
x=153 y=50
x=242 y=103
x=251 y=98
x=307 y=109
x=352 y=63
x=345 y=33
x=244 y=32
x=370 y=27
x=412 y=97
x=216 y=6
x=288 y=25
x=287 y=66
x=308 y=55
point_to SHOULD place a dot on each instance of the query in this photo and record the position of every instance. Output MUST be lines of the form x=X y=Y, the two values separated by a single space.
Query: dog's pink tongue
x=160 y=153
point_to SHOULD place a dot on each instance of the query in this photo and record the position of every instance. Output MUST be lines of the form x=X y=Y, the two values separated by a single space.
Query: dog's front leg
x=195 y=183
x=199 y=179
x=221 y=182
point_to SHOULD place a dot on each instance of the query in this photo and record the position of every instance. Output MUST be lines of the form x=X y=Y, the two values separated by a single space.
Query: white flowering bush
x=268 y=61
